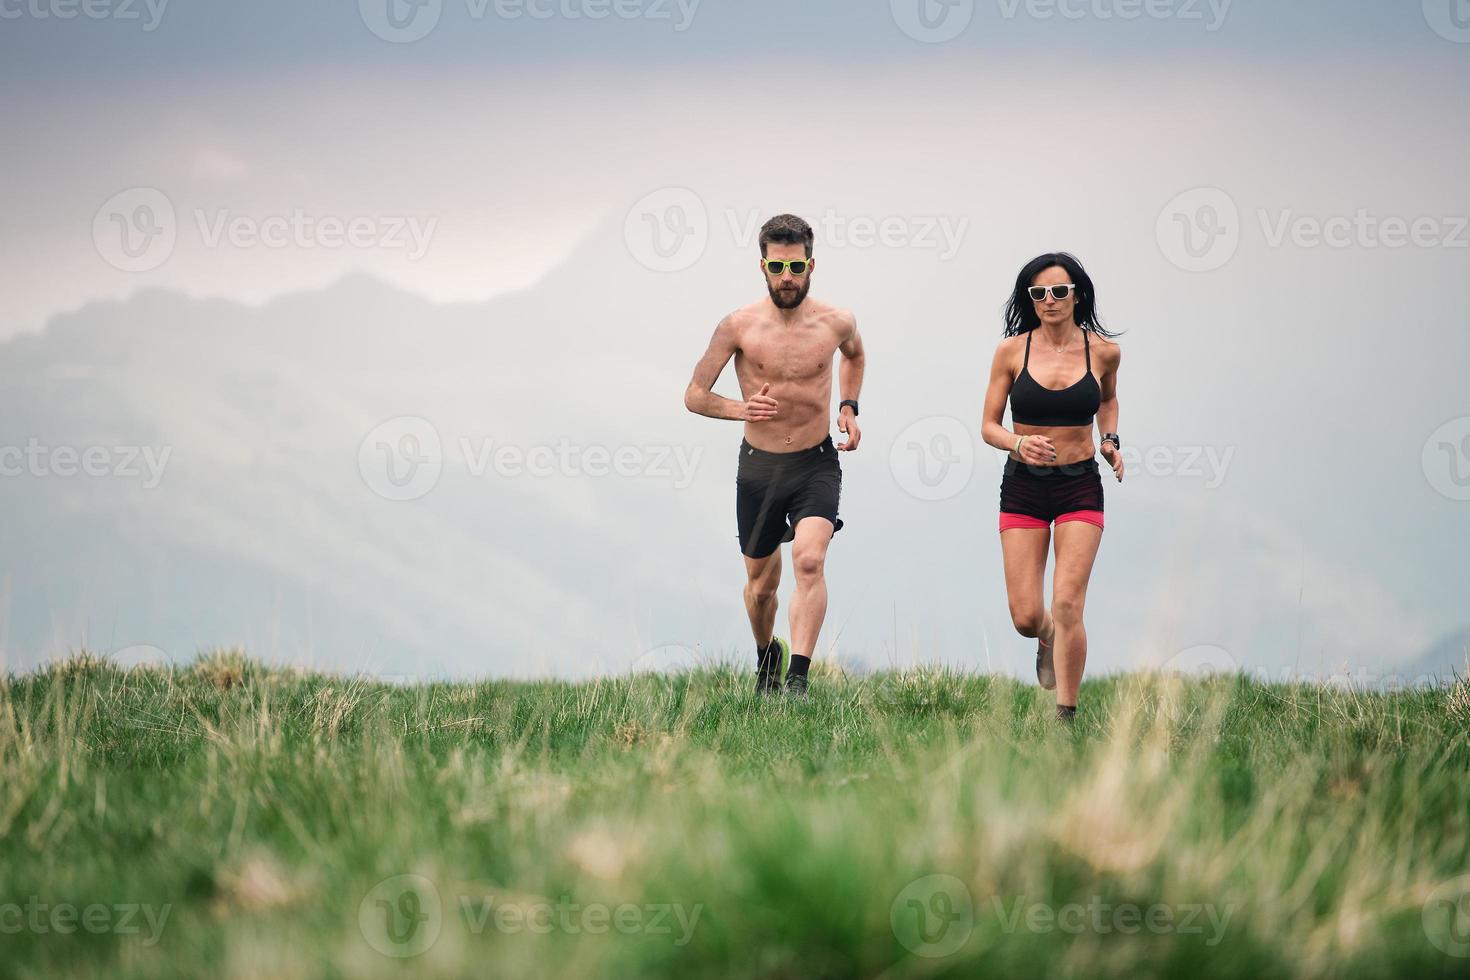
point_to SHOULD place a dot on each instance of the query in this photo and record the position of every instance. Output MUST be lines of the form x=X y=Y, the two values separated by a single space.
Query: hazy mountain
x=265 y=528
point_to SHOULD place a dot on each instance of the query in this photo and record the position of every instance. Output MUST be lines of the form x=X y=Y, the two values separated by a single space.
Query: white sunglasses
x=1058 y=292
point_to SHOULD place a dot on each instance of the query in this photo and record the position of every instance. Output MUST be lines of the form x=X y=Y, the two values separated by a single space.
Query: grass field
x=229 y=820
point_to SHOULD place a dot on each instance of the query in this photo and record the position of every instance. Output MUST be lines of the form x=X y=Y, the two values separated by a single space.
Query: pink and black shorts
x=1037 y=496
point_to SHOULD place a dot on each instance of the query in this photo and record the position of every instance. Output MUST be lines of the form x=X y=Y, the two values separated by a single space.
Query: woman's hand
x=1111 y=454
x=1036 y=451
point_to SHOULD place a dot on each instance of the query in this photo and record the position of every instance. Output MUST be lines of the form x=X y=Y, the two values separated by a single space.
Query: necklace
x=1060 y=350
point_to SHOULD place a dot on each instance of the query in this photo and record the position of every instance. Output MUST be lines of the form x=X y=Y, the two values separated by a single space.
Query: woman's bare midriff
x=1073 y=443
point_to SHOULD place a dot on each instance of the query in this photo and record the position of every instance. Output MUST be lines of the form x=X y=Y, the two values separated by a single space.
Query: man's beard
x=791 y=300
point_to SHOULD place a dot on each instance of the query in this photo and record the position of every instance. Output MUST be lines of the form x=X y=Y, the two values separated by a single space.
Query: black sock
x=798 y=666
x=1066 y=712
x=768 y=661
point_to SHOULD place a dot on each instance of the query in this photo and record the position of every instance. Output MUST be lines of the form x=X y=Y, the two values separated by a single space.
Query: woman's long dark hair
x=1021 y=314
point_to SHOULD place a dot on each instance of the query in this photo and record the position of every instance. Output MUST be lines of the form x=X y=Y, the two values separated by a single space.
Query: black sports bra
x=1031 y=404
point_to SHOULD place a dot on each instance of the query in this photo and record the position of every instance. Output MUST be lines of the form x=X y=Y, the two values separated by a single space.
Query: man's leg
x=809 y=601
x=762 y=576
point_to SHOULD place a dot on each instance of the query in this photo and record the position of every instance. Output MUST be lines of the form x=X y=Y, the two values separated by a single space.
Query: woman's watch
x=1117 y=443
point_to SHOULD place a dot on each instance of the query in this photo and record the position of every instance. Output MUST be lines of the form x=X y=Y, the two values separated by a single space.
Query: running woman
x=1058 y=381
x=788 y=480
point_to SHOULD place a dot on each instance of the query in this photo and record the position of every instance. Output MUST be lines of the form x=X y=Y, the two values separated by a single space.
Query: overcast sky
x=1271 y=199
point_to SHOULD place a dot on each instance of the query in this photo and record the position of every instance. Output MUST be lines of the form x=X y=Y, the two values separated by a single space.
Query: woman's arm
x=1037 y=450
x=1107 y=411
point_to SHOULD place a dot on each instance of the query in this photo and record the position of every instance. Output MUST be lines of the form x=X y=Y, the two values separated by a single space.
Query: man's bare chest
x=789 y=356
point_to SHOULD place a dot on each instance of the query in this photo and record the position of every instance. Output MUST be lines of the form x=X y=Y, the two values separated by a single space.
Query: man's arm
x=850 y=383
x=698 y=397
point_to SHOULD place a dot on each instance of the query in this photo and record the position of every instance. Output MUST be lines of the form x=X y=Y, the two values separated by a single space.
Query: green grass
x=916 y=824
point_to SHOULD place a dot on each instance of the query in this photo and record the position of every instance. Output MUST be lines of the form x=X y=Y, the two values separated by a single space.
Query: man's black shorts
x=775 y=490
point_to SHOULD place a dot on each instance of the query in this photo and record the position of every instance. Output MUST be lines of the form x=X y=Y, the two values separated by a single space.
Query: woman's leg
x=1076 y=548
x=1024 y=549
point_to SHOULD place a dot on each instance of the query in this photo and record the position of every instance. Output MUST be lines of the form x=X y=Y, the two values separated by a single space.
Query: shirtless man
x=788 y=481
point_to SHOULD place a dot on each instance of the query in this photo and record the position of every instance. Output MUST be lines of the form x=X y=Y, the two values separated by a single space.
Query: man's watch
x=846 y=402
x=1113 y=436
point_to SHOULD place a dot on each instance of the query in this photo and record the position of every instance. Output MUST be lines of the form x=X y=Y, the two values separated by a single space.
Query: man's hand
x=847 y=423
x=761 y=406
x=1111 y=454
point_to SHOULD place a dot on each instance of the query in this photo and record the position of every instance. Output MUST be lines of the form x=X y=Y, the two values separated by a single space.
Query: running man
x=788 y=480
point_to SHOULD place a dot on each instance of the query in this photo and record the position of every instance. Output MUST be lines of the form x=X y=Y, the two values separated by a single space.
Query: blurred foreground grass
x=229 y=820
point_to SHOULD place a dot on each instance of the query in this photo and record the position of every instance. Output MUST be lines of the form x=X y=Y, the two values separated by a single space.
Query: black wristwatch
x=846 y=402
x=1117 y=443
